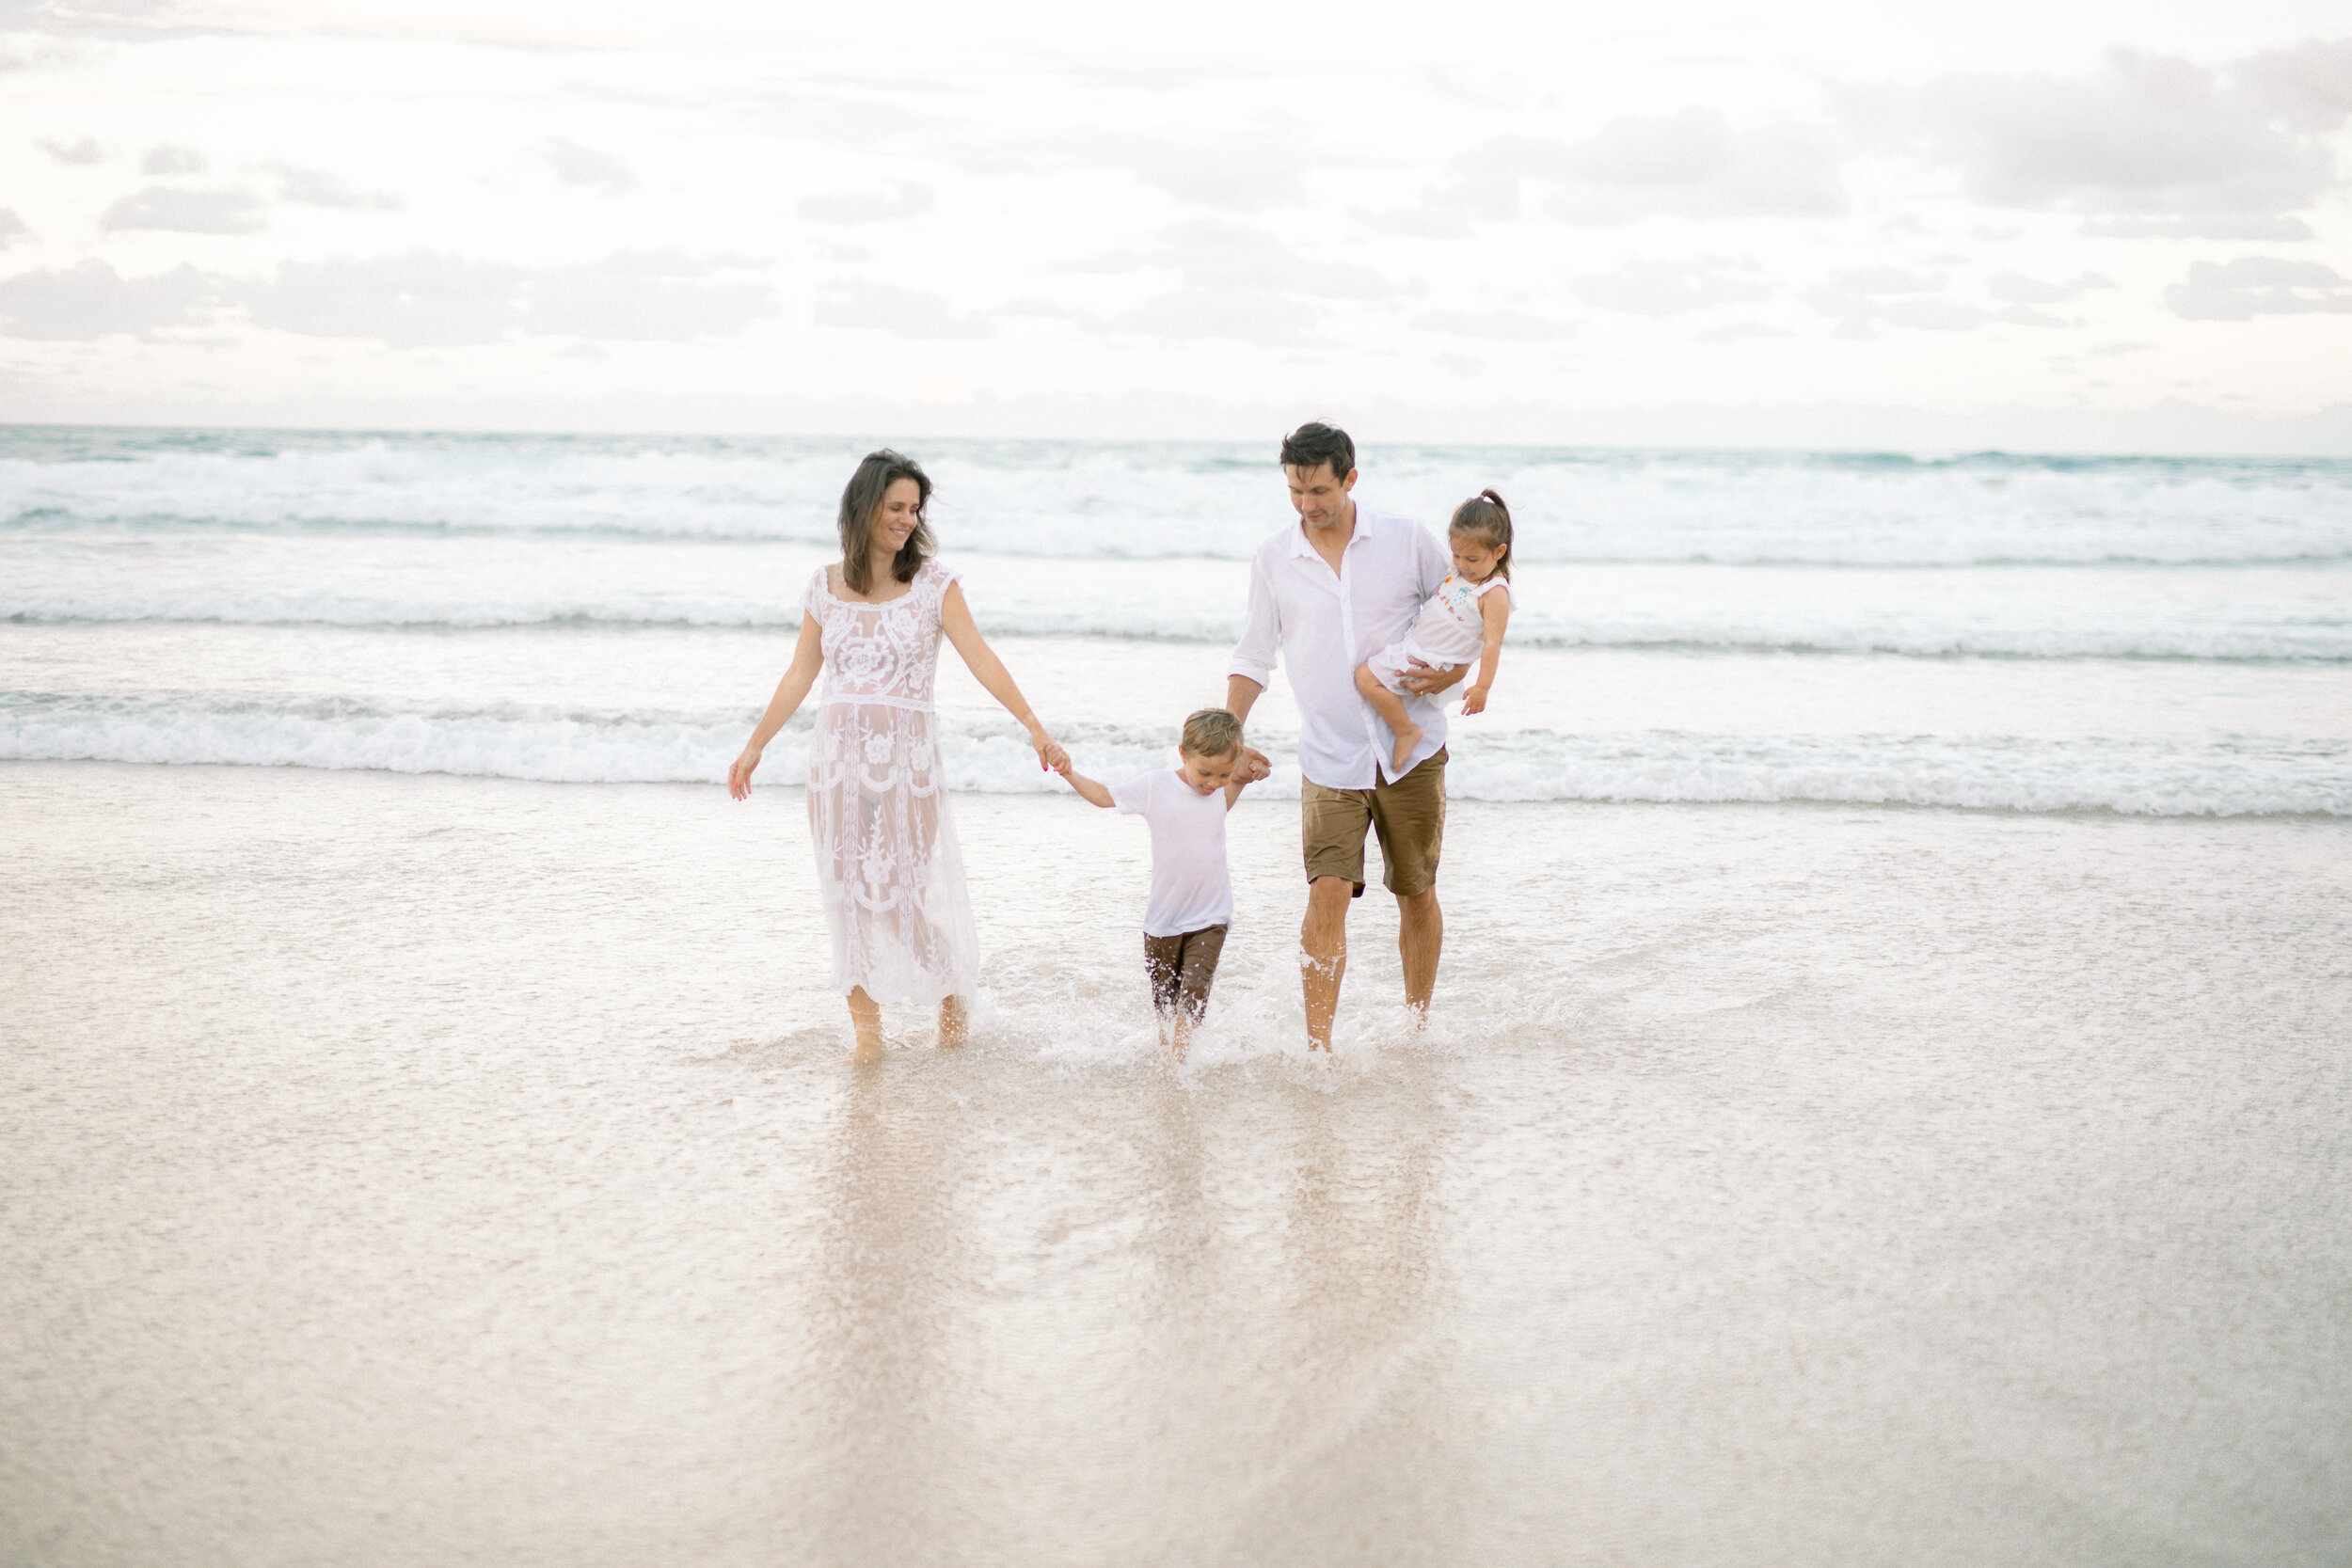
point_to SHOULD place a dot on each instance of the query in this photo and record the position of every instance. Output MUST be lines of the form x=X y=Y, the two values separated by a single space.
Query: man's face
x=1318 y=495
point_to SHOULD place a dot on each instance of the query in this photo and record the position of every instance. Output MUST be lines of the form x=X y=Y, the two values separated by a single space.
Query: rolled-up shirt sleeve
x=1261 y=628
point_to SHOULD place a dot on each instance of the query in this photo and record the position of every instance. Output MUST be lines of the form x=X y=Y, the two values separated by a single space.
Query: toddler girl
x=1461 y=619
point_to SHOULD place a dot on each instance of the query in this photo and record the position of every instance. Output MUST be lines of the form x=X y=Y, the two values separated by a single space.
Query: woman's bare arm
x=955 y=618
x=808 y=659
x=1495 y=610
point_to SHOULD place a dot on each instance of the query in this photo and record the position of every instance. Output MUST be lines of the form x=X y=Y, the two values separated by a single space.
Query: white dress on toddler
x=1448 y=631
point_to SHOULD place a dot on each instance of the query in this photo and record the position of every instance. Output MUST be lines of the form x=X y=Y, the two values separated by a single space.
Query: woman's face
x=895 y=519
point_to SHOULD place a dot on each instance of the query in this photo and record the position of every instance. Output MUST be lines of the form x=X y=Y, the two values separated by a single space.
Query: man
x=1326 y=593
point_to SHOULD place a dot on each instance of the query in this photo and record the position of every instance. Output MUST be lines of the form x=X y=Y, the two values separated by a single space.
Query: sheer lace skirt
x=887 y=864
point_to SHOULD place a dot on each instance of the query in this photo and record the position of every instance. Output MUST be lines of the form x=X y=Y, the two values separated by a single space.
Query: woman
x=886 y=856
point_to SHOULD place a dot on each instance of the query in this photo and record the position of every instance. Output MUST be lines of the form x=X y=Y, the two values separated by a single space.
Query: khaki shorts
x=1181 y=969
x=1409 y=814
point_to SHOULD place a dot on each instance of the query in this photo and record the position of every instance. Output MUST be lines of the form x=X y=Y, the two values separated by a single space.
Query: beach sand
x=425 y=1170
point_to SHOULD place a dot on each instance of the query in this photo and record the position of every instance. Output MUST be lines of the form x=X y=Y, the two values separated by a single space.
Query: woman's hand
x=1051 y=758
x=740 y=773
x=1474 y=700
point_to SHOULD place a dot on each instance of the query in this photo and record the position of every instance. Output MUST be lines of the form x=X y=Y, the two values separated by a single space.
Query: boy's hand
x=1254 y=766
x=1474 y=700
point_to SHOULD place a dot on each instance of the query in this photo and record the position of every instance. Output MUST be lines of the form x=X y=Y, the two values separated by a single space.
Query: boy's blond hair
x=1213 y=731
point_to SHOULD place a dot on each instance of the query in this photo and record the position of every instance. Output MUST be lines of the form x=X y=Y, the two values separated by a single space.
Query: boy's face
x=1207 y=775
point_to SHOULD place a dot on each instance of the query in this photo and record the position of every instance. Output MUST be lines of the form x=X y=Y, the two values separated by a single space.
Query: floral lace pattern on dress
x=888 y=862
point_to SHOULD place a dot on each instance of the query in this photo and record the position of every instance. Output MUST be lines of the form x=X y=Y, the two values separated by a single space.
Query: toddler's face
x=1475 y=560
x=1207 y=775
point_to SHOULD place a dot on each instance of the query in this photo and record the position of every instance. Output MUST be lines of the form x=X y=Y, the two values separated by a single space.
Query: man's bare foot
x=955 y=1026
x=1408 y=736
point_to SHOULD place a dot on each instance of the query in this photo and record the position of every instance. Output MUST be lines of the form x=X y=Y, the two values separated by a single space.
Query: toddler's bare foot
x=1408 y=736
x=954 y=1027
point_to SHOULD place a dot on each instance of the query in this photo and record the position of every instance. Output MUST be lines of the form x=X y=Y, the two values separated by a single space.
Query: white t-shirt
x=1190 y=889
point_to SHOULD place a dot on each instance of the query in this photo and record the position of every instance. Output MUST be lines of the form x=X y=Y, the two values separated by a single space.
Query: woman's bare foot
x=1408 y=736
x=954 y=1024
x=866 y=1017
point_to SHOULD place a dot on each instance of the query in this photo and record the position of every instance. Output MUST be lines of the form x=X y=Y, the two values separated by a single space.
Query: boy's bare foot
x=954 y=1025
x=1408 y=736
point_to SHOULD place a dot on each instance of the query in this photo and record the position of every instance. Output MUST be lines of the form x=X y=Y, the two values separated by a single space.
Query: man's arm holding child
x=1495 y=610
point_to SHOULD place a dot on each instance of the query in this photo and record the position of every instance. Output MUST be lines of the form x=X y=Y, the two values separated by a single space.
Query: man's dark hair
x=1312 y=444
x=861 y=500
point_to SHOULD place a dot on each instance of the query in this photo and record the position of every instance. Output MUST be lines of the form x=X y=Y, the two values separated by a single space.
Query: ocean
x=2168 y=637
x=1887 y=1098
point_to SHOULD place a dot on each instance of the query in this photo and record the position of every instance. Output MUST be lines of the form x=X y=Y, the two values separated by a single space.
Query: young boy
x=1192 y=897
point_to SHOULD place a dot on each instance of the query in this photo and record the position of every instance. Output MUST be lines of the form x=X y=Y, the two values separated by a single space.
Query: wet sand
x=419 y=1170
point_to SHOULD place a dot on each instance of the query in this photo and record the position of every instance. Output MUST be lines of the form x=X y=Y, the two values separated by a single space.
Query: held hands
x=1254 y=766
x=1051 y=758
x=740 y=775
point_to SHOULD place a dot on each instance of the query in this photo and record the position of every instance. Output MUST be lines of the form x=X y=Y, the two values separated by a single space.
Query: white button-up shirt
x=1324 y=623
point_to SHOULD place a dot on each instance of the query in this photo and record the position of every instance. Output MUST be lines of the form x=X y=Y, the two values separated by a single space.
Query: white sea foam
x=2239 y=776
x=1143 y=499
x=2302 y=612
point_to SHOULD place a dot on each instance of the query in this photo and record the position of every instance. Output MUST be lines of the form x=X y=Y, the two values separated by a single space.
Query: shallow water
x=433 y=1171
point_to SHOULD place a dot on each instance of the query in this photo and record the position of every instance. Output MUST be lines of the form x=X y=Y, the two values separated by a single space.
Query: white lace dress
x=887 y=864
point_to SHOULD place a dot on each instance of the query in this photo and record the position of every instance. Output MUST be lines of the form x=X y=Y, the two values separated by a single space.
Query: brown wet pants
x=1183 y=969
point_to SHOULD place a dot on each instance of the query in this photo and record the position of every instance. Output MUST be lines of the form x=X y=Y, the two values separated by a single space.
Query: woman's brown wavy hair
x=861 y=500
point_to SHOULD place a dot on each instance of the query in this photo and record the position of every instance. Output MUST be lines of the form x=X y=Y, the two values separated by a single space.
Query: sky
x=2088 y=226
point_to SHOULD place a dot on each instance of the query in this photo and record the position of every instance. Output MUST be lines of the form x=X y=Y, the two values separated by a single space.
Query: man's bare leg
x=1390 y=707
x=955 y=1026
x=1179 y=1034
x=1323 y=955
x=1420 y=936
x=866 y=1017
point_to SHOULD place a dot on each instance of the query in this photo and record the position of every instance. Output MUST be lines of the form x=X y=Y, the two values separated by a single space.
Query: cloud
x=901 y=201
x=162 y=207
x=1220 y=254
x=576 y=165
x=1858 y=299
x=83 y=151
x=1672 y=288
x=310 y=187
x=12 y=227
x=1421 y=223
x=2308 y=85
x=1692 y=162
x=642 y=296
x=427 y=300
x=1240 y=173
x=902 y=311
x=1507 y=327
x=2150 y=144
x=1733 y=332
x=2257 y=286
x=2020 y=290
x=90 y=299
x=1270 y=321
x=173 y=160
